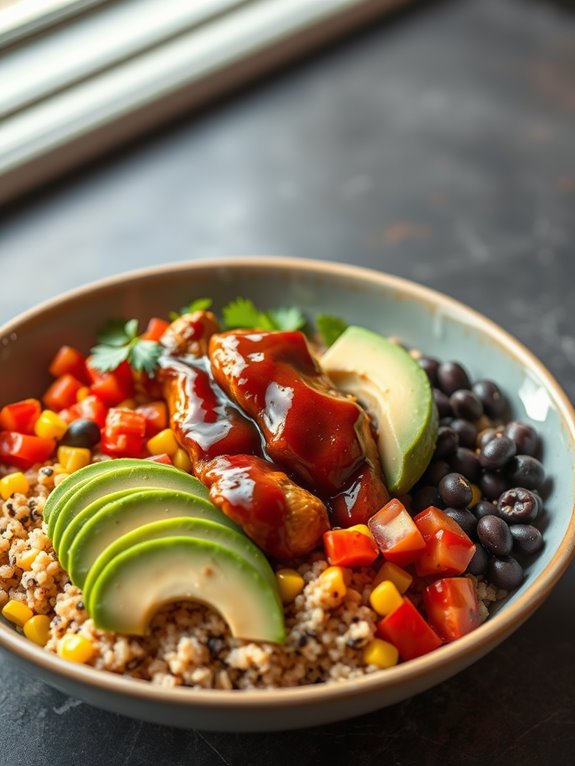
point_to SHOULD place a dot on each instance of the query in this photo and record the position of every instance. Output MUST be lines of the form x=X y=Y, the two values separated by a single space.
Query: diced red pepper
x=112 y=387
x=69 y=361
x=62 y=393
x=448 y=550
x=451 y=606
x=349 y=548
x=156 y=415
x=90 y=408
x=155 y=329
x=162 y=458
x=408 y=631
x=23 y=450
x=395 y=533
x=124 y=433
x=20 y=416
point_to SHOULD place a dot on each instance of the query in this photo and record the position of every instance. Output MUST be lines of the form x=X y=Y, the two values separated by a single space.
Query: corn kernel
x=50 y=425
x=398 y=576
x=17 y=612
x=380 y=653
x=335 y=577
x=82 y=393
x=14 y=482
x=27 y=559
x=75 y=648
x=37 y=629
x=385 y=598
x=362 y=529
x=165 y=441
x=181 y=460
x=475 y=495
x=73 y=458
x=290 y=584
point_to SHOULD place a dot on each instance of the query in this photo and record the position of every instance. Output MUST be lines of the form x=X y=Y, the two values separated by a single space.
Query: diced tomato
x=90 y=408
x=163 y=458
x=452 y=607
x=124 y=433
x=20 y=416
x=69 y=361
x=349 y=548
x=155 y=329
x=448 y=550
x=408 y=631
x=23 y=450
x=156 y=415
x=62 y=392
x=395 y=533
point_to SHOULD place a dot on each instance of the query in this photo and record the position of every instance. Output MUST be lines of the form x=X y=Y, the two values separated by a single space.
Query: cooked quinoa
x=190 y=644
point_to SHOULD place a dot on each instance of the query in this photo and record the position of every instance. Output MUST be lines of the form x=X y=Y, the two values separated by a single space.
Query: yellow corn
x=73 y=458
x=165 y=441
x=17 y=612
x=14 y=482
x=362 y=529
x=37 y=629
x=385 y=598
x=27 y=559
x=475 y=496
x=181 y=460
x=83 y=393
x=380 y=653
x=290 y=584
x=50 y=425
x=398 y=576
x=335 y=577
x=75 y=648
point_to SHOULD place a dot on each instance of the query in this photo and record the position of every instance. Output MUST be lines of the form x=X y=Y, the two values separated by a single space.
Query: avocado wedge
x=102 y=522
x=395 y=390
x=137 y=582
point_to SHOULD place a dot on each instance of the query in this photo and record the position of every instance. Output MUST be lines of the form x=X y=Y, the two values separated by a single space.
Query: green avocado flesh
x=102 y=522
x=180 y=527
x=141 y=476
x=396 y=391
x=137 y=582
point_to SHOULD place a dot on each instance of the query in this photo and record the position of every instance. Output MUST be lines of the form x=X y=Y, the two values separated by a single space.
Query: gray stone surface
x=438 y=146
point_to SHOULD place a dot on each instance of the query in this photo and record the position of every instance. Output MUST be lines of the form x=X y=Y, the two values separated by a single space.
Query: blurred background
x=433 y=139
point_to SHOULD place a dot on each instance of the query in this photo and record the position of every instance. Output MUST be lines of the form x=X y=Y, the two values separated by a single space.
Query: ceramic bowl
x=425 y=319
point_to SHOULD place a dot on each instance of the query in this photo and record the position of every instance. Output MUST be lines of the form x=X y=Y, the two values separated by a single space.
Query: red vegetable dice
x=452 y=607
x=113 y=387
x=395 y=534
x=156 y=415
x=20 y=416
x=448 y=550
x=124 y=433
x=155 y=329
x=161 y=458
x=349 y=548
x=90 y=408
x=62 y=393
x=69 y=361
x=24 y=451
x=408 y=631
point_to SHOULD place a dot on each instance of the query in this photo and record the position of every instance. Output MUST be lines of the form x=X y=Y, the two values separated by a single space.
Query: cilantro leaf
x=143 y=355
x=243 y=313
x=199 y=304
x=106 y=358
x=330 y=327
x=119 y=342
x=114 y=333
x=288 y=318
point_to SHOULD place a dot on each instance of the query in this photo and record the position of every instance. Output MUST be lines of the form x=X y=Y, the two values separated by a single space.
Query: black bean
x=490 y=396
x=451 y=377
x=435 y=472
x=466 y=405
x=525 y=471
x=484 y=508
x=442 y=403
x=82 y=433
x=486 y=436
x=518 y=506
x=505 y=573
x=524 y=436
x=493 y=484
x=478 y=563
x=466 y=462
x=424 y=497
x=464 y=518
x=454 y=490
x=430 y=366
x=466 y=431
x=446 y=421
x=494 y=535
x=447 y=442
x=497 y=452
x=527 y=539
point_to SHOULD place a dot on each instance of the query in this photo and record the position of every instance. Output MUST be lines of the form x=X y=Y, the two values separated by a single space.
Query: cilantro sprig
x=199 y=304
x=330 y=327
x=242 y=313
x=119 y=342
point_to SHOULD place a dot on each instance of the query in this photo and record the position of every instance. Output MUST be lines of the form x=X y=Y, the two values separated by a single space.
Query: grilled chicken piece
x=285 y=520
x=190 y=334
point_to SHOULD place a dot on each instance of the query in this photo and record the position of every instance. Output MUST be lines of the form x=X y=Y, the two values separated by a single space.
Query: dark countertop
x=438 y=146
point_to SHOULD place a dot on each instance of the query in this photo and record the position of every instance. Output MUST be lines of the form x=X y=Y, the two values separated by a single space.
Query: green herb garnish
x=119 y=342
x=242 y=313
x=330 y=327
x=199 y=304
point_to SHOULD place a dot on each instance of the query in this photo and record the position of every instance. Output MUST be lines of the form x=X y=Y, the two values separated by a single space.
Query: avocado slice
x=396 y=391
x=102 y=522
x=180 y=527
x=137 y=582
x=144 y=474
x=79 y=477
